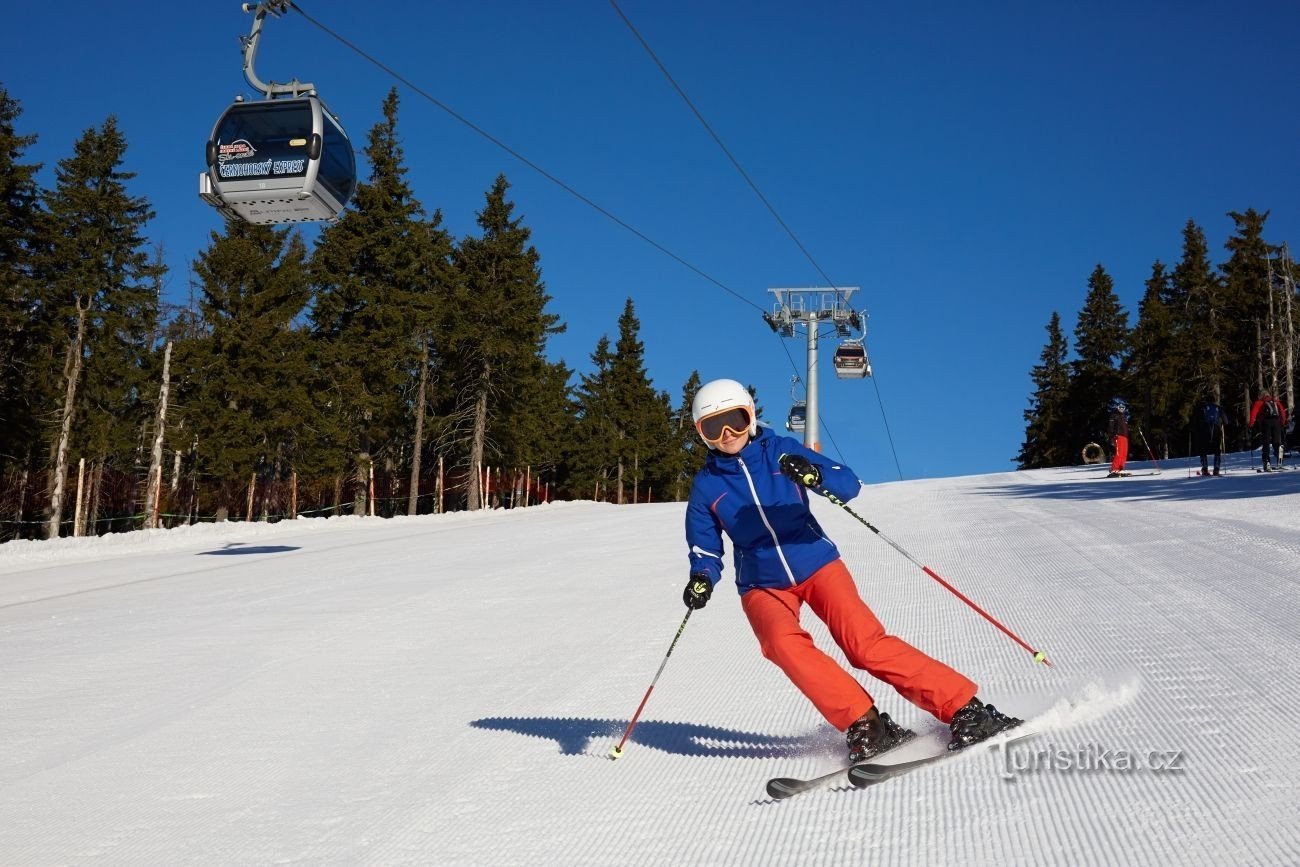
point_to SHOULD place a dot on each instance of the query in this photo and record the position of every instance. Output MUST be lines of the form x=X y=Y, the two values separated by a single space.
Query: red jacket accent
x=1259 y=407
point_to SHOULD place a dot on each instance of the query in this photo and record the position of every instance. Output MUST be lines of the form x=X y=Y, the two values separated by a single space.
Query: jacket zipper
x=775 y=541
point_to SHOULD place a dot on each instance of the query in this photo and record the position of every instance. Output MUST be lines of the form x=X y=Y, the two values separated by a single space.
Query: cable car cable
x=561 y=184
x=541 y=171
x=727 y=151
x=527 y=162
x=762 y=198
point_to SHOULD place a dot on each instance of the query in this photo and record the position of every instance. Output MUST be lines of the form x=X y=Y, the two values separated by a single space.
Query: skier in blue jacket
x=754 y=487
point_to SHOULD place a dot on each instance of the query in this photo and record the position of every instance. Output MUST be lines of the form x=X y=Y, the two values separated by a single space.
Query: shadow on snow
x=241 y=548
x=1172 y=483
x=574 y=735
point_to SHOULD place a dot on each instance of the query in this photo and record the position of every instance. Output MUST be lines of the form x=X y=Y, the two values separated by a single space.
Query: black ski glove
x=698 y=590
x=801 y=470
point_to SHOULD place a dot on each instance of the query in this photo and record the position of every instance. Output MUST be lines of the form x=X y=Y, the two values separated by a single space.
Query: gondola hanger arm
x=249 y=45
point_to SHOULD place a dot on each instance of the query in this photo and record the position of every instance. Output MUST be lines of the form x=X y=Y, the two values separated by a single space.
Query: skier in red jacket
x=1271 y=415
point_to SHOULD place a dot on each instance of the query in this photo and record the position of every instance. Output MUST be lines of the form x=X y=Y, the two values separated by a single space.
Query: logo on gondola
x=235 y=150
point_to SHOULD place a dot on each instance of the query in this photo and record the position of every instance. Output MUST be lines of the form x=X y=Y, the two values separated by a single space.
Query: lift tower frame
x=808 y=308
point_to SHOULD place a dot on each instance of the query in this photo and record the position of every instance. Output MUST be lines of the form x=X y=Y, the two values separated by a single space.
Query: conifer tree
x=246 y=396
x=20 y=311
x=495 y=335
x=1043 y=445
x=1251 y=329
x=640 y=414
x=691 y=450
x=102 y=293
x=1153 y=367
x=592 y=455
x=1202 y=352
x=381 y=276
x=1100 y=343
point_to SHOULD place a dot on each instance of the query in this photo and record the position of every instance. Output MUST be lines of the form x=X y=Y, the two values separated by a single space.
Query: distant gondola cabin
x=851 y=360
x=795 y=421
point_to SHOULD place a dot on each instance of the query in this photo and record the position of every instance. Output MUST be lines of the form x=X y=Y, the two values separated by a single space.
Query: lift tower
x=808 y=309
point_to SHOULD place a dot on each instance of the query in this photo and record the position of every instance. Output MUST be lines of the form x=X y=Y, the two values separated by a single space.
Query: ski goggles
x=713 y=427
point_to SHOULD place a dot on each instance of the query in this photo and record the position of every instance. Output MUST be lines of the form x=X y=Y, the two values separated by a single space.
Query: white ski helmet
x=720 y=395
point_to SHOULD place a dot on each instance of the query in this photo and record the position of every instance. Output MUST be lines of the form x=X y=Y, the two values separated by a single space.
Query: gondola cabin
x=279 y=161
x=851 y=360
x=796 y=420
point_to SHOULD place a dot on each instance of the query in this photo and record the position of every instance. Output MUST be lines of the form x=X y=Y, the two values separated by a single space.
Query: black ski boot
x=977 y=721
x=873 y=734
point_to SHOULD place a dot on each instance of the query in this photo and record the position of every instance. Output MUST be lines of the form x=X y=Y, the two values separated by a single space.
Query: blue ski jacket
x=776 y=540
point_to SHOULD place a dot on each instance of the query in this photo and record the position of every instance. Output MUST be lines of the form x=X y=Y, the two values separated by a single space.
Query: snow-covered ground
x=445 y=690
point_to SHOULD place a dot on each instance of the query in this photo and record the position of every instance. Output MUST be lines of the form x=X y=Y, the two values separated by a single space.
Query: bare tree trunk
x=192 y=512
x=153 y=494
x=252 y=487
x=413 y=497
x=81 y=488
x=96 y=496
x=72 y=373
x=1288 y=291
x=176 y=462
x=359 y=488
x=22 y=497
x=439 y=487
x=477 y=445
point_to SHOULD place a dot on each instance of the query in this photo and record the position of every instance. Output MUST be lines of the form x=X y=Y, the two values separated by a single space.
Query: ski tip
x=783 y=787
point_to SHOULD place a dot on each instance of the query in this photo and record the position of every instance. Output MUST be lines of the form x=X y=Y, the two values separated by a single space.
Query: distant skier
x=754 y=487
x=1207 y=434
x=1270 y=416
x=1117 y=430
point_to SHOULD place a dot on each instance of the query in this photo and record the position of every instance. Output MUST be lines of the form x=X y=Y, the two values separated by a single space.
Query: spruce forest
x=1225 y=333
x=392 y=369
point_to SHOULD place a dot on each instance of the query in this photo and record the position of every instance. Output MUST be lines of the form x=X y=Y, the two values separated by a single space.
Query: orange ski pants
x=1121 y=454
x=831 y=594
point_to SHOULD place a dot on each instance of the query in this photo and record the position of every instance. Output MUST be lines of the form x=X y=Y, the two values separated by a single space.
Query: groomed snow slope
x=445 y=689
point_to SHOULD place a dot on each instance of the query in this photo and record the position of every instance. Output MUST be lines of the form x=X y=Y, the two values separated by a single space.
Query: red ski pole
x=1148 y=445
x=1039 y=656
x=617 y=752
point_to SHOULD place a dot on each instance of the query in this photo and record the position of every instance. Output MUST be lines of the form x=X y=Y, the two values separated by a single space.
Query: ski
x=780 y=788
x=869 y=774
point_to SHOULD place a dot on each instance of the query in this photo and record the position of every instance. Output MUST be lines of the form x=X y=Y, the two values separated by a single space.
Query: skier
x=1271 y=417
x=1117 y=429
x=1207 y=433
x=754 y=487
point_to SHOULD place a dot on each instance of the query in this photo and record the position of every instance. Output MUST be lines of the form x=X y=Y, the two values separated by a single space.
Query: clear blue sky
x=967 y=165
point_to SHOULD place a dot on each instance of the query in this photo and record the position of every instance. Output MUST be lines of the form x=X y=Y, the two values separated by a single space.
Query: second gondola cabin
x=797 y=419
x=279 y=161
x=851 y=360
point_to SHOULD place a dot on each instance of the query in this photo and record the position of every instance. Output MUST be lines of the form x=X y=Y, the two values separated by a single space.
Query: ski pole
x=617 y=752
x=1038 y=655
x=1148 y=445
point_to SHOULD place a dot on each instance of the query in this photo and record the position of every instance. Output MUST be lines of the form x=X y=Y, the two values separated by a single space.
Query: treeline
x=390 y=369
x=1225 y=332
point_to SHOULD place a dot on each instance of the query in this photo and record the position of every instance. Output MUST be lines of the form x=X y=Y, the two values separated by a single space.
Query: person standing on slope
x=1207 y=434
x=754 y=487
x=1117 y=430
x=1271 y=416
